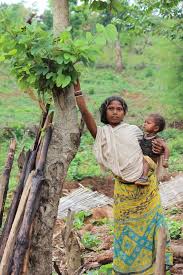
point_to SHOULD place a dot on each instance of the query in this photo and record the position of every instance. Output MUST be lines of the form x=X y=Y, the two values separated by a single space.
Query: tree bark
x=60 y=16
x=160 y=253
x=118 y=51
x=63 y=147
x=72 y=246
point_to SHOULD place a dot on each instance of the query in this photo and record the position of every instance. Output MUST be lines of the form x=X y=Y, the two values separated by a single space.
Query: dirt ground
x=93 y=258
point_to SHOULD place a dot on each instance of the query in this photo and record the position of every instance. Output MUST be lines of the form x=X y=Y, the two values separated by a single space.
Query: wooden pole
x=47 y=123
x=42 y=122
x=4 y=180
x=26 y=258
x=160 y=253
x=72 y=246
x=8 y=251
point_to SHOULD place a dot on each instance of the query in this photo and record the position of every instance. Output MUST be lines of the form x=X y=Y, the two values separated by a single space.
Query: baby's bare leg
x=143 y=180
x=145 y=168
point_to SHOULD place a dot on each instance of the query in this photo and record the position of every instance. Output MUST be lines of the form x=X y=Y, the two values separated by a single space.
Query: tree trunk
x=60 y=15
x=118 y=62
x=62 y=149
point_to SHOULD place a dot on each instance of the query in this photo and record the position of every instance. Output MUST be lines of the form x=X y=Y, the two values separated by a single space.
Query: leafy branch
x=42 y=62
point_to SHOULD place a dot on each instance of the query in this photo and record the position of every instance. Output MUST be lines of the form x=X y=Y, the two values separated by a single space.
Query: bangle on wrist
x=77 y=93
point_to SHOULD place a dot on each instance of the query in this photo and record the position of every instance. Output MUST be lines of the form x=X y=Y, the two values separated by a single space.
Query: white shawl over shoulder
x=117 y=149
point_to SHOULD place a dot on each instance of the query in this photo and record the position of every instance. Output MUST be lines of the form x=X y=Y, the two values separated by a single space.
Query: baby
x=153 y=124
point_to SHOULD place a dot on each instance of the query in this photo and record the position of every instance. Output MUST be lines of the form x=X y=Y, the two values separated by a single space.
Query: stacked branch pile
x=16 y=233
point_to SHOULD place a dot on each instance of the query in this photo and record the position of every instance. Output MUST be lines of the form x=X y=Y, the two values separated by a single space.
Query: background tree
x=172 y=11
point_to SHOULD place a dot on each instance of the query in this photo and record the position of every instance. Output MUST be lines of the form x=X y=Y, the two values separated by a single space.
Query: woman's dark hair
x=159 y=121
x=104 y=105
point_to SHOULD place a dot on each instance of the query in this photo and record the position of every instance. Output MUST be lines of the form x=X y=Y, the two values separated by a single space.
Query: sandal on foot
x=142 y=181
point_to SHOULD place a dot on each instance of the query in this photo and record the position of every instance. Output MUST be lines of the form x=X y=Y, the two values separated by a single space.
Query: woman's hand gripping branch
x=87 y=116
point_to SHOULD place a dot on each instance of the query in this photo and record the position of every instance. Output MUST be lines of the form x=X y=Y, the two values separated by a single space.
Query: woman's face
x=114 y=113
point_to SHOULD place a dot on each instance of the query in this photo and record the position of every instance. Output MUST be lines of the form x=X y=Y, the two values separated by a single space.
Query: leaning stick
x=13 y=207
x=41 y=125
x=26 y=258
x=160 y=253
x=47 y=123
x=15 y=227
x=4 y=180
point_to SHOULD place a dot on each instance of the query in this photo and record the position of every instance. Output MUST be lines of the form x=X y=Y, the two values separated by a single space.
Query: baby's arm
x=166 y=153
x=87 y=116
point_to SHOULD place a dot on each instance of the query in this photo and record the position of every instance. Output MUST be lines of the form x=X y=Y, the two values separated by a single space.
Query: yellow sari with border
x=138 y=214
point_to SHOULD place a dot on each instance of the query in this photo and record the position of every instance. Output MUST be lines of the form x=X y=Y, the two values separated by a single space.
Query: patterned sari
x=138 y=215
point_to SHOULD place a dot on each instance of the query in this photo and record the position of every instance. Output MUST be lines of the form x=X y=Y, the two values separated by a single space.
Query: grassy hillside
x=151 y=82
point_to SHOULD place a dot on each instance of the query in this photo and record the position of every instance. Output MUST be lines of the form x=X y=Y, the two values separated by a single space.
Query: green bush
x=90 y=240
x=80 y=218
x=175 y=229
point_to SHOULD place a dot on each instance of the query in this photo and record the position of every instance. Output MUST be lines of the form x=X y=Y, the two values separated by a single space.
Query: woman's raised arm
x=87 y=116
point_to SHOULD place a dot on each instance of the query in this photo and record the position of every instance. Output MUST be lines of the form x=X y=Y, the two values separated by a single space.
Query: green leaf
x=98 y=5
x=65 y=36
x=45 y=70
x=116 y=5
x=59 y=59
x=100 y=40
x=13 y=52
x=111 y=32
x=31 y=79
x=49 y=75
x=66 y=81
x=100 y=28
x=60 y=80
x=70 y=57
x=89 y=36
x=2 y=58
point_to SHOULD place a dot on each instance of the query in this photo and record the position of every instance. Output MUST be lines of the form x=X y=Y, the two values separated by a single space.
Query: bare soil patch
x=99 y=184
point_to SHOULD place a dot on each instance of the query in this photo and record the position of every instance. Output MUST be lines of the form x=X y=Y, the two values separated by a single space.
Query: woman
x=137 y=210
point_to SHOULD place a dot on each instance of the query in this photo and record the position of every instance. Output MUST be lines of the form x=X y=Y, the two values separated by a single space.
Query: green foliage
x=47 y=19
x=14 y=13
x=175 y=229
x=40 y=61
x=80 y=218
x=84 y=164
x=100 y=222
x=174 y=211
x=103 y=270
x=90 y=240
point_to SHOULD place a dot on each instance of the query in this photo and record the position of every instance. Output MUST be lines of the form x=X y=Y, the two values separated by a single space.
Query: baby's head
x=154 y=123
x=113 y=110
